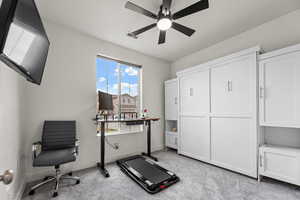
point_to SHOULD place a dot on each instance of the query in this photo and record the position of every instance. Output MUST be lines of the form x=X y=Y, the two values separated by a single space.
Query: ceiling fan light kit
x=164 y=24
x=165 y=20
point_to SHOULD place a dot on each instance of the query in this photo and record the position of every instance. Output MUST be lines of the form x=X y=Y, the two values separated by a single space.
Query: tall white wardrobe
x=218 y=112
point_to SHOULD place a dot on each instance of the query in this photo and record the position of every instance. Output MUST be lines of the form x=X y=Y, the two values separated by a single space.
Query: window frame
x=139 y=92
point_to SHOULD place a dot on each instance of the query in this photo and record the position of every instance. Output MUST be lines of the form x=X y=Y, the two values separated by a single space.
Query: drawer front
x=280 y=166
x=171 y=140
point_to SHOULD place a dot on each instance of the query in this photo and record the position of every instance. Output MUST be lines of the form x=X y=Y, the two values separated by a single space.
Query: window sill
x=121 y=133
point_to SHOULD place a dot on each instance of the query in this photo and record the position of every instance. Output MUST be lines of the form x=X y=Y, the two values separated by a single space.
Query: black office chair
x=58 y=146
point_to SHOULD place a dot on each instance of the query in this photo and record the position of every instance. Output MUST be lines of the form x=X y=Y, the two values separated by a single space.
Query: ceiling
x=110 y=21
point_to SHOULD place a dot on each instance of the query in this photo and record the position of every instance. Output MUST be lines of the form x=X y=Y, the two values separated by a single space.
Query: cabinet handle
x=261 y=161
x=176 y=100
x=176 y=141
x=261 y=92
x=229 y=86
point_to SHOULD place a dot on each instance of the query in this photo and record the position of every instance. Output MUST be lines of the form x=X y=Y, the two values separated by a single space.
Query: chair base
x=57 y=178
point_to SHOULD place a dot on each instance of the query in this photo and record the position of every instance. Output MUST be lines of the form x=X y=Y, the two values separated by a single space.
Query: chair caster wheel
x=55 y=194
x=77 y=182
x=70 y=174
x=32 y=192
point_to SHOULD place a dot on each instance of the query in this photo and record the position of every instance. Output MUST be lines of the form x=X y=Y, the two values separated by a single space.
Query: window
x=122 y=81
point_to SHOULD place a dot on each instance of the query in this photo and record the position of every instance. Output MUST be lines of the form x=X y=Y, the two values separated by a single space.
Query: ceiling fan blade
x=138 y=9
x=200 y=5
x=142 y=30
x=183 y=29
x=167 y=4
x=162 y=37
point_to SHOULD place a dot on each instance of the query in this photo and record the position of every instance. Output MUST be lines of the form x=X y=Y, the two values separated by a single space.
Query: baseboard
x=21 y=190
x=37 y=175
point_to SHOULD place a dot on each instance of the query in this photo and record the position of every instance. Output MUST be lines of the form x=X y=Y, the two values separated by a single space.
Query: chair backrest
x=58 y=135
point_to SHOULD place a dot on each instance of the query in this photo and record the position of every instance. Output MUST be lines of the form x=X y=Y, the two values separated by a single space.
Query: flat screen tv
x=24 y=43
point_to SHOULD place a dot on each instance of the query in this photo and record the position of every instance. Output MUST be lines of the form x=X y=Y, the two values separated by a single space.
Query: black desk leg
x=101 y=165
x=148 y=154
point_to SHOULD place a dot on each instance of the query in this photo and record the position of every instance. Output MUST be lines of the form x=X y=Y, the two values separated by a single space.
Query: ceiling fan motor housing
x=164 y=13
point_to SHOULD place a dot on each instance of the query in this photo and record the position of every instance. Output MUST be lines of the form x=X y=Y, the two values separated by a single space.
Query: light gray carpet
x=199 y=181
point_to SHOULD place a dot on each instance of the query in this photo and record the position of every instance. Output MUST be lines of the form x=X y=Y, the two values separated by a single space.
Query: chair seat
x=54 y=157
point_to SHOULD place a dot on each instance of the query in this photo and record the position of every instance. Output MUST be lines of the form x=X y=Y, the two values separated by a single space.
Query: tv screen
x=24 y=43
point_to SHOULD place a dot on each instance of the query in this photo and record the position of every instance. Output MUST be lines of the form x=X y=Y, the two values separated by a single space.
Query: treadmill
x=150 y=176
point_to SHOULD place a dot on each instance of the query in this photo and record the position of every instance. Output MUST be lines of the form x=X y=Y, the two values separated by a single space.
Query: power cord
x=114 y=146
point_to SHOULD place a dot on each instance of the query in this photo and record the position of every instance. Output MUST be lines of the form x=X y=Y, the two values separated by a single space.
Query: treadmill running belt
x=149 y=171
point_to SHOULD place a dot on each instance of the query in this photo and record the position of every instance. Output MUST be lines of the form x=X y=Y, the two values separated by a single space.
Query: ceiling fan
x=165 y=19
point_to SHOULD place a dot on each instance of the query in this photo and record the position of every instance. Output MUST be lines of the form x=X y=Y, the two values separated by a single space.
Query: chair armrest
x=36 y=148
x=77 y=147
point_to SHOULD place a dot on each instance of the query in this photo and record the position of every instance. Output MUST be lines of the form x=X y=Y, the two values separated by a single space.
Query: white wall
x=68 y=92
x=279 y=33
x=11 y=134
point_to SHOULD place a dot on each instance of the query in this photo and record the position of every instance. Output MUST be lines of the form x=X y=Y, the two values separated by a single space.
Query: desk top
x=126 y=120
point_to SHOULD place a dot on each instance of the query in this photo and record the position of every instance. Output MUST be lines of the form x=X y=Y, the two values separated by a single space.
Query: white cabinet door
x=280 y=90
x=233 y=144
x=194 y=92
x=171 y=100
x=195 y=137
x=171 y=140
x=233 y=86
x=280 y=163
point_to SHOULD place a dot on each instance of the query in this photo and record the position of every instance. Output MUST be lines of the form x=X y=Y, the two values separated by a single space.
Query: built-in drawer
x=280 y=163
x=172 y=139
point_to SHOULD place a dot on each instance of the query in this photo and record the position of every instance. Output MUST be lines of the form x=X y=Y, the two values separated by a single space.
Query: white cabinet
x=280 y=88
x=195 y=141
x=280 y=163
x=194 y=94
x=194 y=118
x=218 y=112
x=232 y=87
x=233 y=144
x=171 y=113
x=171 y=100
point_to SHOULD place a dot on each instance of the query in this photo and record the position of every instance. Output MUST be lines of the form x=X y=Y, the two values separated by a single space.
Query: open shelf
x=171 y=126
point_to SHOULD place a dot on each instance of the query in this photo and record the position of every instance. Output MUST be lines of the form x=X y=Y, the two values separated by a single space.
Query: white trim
x=219 y=115
x=279 y=52
x=219 y=61
x=171 y=132
x=279 y=124
x=220 y=165
x=193 y=156
x=21 y=190
x=250 y=173
x=238 y=116
x=171 y=81
x=121 y=133
x=194 y=115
